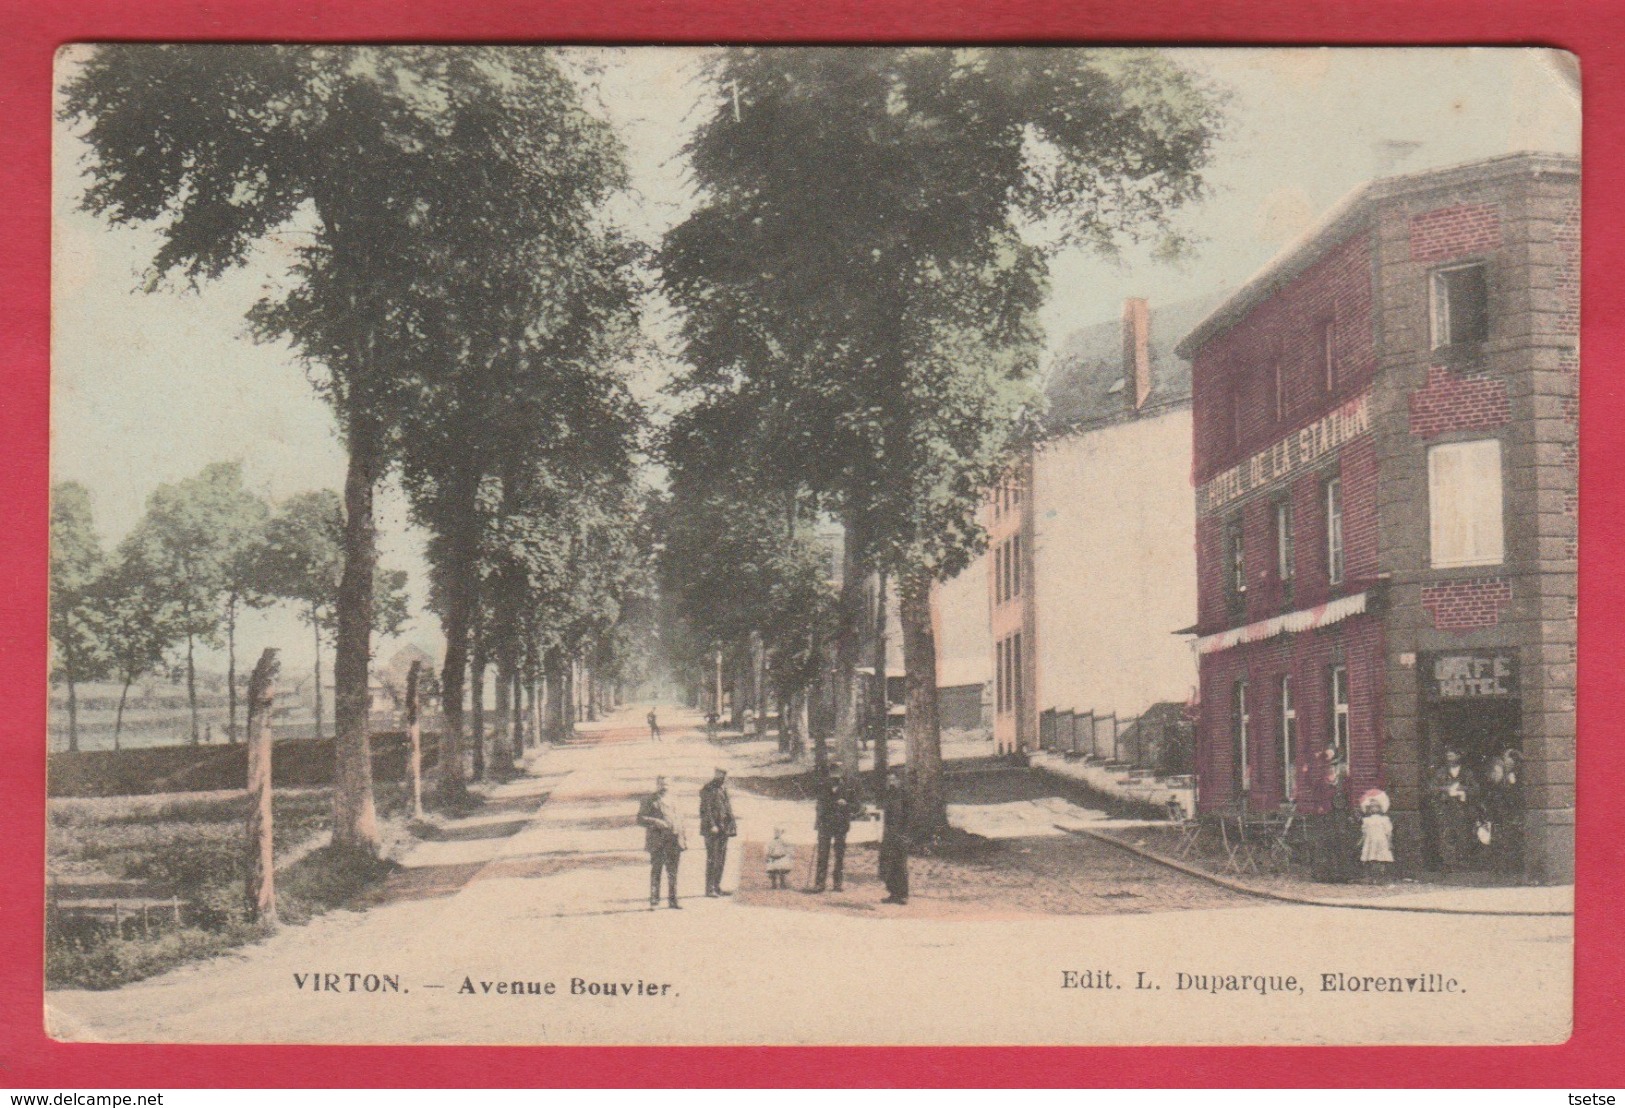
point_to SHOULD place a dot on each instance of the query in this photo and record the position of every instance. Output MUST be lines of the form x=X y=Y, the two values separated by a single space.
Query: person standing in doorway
x=654 y=727
x=663 y=839
x=1454 y=796
x=894 y=840
x=718 y=825
x=833 y=820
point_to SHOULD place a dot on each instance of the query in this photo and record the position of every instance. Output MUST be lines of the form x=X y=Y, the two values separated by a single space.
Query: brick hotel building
x=1386 y=463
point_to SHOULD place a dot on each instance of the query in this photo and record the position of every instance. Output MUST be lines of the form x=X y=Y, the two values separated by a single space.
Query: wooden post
x=261 y=890
x=414 y=734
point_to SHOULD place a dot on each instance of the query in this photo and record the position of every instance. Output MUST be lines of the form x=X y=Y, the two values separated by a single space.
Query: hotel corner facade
x=1386 y=470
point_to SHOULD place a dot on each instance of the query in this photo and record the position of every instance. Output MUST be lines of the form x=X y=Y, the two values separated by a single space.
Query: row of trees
x=860 y=286
x=206 y=549
x=457 y=299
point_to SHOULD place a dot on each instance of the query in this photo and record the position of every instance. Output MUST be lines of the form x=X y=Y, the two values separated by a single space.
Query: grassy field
x=191 y=846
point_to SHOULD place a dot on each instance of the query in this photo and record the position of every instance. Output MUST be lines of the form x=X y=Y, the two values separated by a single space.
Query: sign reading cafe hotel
x=1299 y=450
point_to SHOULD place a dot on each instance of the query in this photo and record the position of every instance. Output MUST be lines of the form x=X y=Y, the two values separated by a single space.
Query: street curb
x=1285 y=898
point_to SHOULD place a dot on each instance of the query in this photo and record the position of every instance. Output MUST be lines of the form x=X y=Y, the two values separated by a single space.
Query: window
x=1460 y=301
x=1240 y=771
x=1289 y=739
x=1280 y=392
x=1340 y=711
x=1015 y=672
x=1015 y=565
x=1464 y=503
x=1334 y=531
x=1328 y=355
x=1283 y=540
x=998 y=677
x=1236 y=555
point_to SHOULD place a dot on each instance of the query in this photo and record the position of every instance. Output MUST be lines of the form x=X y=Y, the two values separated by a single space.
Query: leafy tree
x=865 y=268
x=373 y=152
x=300 y=560
x=76 y=561
x=184 y=549
x=137 y=623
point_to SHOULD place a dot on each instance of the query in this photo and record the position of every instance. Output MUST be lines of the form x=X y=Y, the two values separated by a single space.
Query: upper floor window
x=1236 y=557
x=1015 y=564
x=1464 y=503
x=1334 y=531
x=1280 y=391
x=1460 y=303
x=1283 y=539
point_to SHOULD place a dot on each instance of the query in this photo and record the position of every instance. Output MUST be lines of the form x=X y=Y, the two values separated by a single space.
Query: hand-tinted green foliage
x=301 y=556
x=76 y=562
x=867 y=262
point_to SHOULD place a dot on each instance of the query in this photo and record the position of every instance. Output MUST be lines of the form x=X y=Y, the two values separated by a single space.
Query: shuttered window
x=1464 y=503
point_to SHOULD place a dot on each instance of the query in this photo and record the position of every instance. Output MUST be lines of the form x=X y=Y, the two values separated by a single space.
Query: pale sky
x=149 y=388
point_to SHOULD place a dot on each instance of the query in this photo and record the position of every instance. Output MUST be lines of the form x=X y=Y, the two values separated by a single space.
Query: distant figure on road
x=654 y=727
x=717 y=824
x=711 y=726
x=894 y=840
x=663 y=839
x=833 y=821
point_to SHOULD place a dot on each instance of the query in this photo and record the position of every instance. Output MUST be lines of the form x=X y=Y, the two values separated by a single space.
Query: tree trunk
x=414 y=739
x=260 y=888
x=462 y=597
x=849 y=636
x=476 y=703
x=927 y=805
x=355 y=819
x=316 y=632
x=118 y=717
x=231 y=668
x=501 y=745
x=882 y=708
x=553 y=697
x=589 y=693
x=191 y=688
x=530 y=711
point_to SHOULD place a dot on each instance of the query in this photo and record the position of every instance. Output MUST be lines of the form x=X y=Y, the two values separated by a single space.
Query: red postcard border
x=1594 y=1057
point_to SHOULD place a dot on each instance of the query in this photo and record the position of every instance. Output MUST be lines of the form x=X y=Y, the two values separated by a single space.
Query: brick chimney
x=1137 y=349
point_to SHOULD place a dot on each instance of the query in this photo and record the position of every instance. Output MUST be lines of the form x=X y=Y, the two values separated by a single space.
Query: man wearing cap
x=833 y=821
x=663 y=839
x=717 y=824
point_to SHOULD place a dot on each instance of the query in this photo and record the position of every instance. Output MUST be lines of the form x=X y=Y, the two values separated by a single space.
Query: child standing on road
x=778 y=861
x=1376 y=836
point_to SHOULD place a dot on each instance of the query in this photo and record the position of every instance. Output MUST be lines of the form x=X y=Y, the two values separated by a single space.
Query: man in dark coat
x=1455 y=798
x=894 y=840
x=663 y=839
x=836 y=807
x=717 y=824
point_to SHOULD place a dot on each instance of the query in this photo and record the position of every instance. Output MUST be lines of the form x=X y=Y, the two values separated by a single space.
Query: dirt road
x=530 y=923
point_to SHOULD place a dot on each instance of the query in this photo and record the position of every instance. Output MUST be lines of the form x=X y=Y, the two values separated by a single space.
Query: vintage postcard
x=863 y=545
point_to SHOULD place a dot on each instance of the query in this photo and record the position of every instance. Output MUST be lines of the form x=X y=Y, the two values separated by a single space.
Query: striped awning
x=1304 y=619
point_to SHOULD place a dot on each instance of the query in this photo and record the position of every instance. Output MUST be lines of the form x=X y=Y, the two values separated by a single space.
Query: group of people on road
x=836 y=807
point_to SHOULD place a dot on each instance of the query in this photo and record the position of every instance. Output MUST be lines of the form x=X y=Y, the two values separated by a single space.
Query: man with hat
x=717 y=824
x=663 y=839
x=834 y=819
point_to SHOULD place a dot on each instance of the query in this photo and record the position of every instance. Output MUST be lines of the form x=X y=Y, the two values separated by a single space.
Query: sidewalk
x=1156 y=842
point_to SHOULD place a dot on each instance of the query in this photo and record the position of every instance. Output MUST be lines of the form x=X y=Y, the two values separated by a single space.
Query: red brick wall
x=1453 y=232
x=1458 y=402
x=1468 y=604
x=1284 y=330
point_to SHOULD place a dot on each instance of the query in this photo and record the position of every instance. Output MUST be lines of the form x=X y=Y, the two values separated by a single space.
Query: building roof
x=1347 y=216
x=1084 y=384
